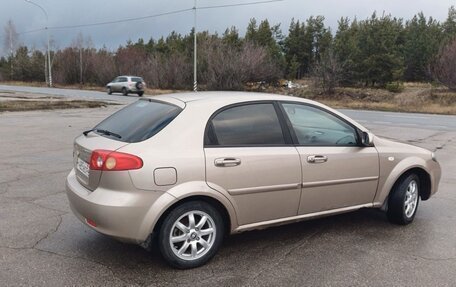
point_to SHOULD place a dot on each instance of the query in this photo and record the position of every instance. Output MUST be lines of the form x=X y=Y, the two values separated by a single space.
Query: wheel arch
x=392 y=181
x=184 y=193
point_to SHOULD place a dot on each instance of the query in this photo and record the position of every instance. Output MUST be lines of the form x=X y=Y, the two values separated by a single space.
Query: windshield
x=138 y=121
x=136 y=79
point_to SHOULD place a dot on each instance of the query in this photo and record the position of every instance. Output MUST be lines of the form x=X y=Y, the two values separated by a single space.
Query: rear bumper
x=134 y=90
x=119 y=214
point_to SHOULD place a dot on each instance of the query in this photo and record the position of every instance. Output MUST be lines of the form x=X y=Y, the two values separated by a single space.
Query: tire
x=124 y=91
x=406 y=189
x=181 y=254
x=140 y=94
x=139 y=85
x=109 y=91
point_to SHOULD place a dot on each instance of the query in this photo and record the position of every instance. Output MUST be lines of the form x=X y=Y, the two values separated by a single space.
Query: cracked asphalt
x=43 y=244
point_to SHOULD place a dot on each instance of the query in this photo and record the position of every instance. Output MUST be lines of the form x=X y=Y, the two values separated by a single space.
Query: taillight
x=114 y=161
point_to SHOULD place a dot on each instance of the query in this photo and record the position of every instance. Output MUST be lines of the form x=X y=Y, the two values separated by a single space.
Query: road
x=413 y=120
x=72 y=93
x=435 y=122
x=43 y=244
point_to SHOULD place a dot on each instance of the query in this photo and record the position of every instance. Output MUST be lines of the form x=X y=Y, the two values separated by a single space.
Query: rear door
x=123 y=82
x=337 y=172
x=249 y=154
x=115 y=85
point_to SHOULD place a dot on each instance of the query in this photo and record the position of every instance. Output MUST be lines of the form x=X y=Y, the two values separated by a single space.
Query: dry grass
x=32 y=105
x=416 y=98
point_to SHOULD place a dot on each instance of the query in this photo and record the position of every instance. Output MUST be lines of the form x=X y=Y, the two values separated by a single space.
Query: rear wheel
x=404 y=199
x=191 y=234
x=124 y=91
x=140 y=94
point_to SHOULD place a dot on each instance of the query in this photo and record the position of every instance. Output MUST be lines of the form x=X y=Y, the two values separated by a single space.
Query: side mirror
x=367 y=139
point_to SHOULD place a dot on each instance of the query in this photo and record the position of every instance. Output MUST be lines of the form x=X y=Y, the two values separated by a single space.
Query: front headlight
x=434 y=158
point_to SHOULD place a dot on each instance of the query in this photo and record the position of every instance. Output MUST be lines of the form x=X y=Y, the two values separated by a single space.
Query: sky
x=28 y=17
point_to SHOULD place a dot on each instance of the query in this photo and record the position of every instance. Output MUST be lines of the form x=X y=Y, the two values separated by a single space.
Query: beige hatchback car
x=188 y=169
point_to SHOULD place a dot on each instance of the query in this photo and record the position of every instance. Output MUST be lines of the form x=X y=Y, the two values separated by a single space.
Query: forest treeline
x=377 y=52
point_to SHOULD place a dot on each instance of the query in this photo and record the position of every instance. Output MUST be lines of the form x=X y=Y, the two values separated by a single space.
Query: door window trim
x=293 y=134
x=287 y=128
x=210 y=136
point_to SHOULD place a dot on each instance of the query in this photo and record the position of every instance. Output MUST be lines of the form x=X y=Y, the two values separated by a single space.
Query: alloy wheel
x=192 y=235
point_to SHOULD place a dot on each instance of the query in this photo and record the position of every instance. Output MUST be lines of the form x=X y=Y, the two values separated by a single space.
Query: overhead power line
x=120 y=21
x=148 y=16
x=31 y=31
x=238 y=4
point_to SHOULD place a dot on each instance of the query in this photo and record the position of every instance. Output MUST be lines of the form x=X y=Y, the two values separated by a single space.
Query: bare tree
x=327 y=73
x=229 y=68
x=10 y=43
x=444 y=67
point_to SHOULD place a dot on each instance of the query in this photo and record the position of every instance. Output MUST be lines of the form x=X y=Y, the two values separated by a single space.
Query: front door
x=249 y=155
x=337 y=172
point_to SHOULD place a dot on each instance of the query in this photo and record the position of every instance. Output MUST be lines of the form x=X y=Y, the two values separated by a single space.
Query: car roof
x=220 y=99
x=230 y=97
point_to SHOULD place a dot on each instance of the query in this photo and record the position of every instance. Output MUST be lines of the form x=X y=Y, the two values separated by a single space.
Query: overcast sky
x=72 y=12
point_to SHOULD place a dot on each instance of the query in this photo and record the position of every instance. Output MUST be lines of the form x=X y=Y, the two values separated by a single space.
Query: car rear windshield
x=139 y=121
x=136 y=79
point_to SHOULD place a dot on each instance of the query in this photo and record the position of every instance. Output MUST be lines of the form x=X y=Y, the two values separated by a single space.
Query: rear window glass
x=136 y=79
x=139 y=121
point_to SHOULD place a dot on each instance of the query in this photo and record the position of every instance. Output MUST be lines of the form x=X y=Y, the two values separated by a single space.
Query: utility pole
x=49 y=53
x=80 y=64
x=11 y=52
x=48 y=41
x=195 y=70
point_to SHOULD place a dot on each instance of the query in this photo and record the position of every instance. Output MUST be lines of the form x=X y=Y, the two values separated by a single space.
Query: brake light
x=114 y=161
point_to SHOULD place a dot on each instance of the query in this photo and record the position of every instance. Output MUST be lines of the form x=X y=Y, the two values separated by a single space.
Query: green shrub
x=395 y=87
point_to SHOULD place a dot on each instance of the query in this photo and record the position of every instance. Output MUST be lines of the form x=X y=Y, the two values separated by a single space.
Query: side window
x=316 y=127
x=122 y=79
x=251 y=124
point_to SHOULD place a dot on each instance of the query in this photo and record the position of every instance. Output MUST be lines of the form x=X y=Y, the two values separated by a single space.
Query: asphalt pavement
x=72 y=93
x=43 y=244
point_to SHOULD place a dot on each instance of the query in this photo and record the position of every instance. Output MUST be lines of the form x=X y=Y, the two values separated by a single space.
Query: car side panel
x=349 y=177
x=264 y=186
x=395 y=160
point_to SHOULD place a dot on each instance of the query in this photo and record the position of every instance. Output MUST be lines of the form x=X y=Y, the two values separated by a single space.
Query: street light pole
x=195 y=70
x=48 y=40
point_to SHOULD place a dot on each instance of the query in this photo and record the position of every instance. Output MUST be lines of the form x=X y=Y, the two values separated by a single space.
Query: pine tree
x=422 y=43
x=449 y=27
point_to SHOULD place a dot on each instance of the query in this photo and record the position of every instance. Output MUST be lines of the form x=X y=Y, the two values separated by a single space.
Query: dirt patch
x=32 y=105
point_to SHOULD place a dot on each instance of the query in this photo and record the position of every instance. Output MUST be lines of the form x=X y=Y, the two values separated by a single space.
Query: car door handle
x=227 y=162
x=317 y=159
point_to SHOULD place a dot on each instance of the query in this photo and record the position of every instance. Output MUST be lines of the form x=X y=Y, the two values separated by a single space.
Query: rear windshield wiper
x=105 y=132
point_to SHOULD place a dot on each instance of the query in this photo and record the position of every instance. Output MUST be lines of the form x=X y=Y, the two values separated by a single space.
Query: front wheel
x=109 y=91
x=124 y=91
x=404 y=199
x=191 y=234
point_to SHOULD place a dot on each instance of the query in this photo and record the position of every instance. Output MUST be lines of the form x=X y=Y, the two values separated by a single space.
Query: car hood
x=389 y=146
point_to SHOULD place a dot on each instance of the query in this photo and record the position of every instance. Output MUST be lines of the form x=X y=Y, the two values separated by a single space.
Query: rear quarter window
x=140 y=120
x=136 y=79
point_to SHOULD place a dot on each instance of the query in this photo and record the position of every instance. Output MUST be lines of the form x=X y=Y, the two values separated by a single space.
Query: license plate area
x=83 y=167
